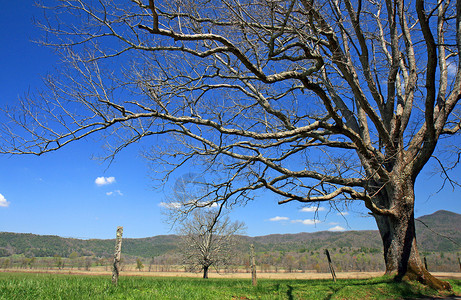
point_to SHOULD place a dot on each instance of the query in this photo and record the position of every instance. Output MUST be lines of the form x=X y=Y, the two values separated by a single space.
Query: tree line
x=345 y=259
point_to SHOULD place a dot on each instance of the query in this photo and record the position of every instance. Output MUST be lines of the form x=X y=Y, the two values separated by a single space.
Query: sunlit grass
x=54 y=286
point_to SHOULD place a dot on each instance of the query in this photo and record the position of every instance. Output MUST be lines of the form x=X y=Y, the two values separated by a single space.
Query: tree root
x=415 y=273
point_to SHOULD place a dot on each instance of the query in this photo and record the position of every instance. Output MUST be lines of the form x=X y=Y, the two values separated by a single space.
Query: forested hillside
x=48 y=246
x=439 y=232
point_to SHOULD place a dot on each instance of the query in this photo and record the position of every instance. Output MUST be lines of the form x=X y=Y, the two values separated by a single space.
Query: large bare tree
x=314 y=100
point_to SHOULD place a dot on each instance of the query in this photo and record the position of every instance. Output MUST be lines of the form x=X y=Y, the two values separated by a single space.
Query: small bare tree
x=208 y=239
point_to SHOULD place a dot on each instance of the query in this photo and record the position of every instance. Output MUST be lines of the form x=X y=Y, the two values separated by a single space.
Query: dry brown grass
x=100 y=271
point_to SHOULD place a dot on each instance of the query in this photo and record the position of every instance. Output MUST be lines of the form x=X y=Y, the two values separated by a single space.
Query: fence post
x=253 y=265
x=333 y=274
x=425 y=263
x=117 y=255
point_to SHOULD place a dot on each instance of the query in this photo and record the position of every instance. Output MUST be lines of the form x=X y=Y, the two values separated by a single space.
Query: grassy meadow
x=59 y=286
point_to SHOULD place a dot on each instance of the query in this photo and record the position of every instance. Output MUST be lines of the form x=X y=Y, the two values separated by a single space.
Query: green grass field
x=54 y=286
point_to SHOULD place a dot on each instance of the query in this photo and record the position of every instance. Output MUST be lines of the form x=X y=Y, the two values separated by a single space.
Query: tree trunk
x=399 y=237
x=205 y=272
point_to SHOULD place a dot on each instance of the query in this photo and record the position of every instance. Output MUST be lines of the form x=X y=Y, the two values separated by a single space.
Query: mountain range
x=438 y=232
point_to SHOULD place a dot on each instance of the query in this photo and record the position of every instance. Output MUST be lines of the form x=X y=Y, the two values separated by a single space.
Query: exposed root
x=415 y=273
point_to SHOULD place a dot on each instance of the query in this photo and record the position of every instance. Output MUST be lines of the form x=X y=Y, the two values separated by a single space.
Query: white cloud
x=277 y=218
x=171 y=205
x=337 y=228
x=312 y=209
x=343 y=213
x=115 y=193
x=104 y=180
x=333 y=223
x=306 y=221
x=3 y=202
x=208 y=204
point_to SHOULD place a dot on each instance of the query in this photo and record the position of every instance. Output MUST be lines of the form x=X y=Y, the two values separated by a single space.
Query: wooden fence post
x=425 y=263
x=253 y=265
x=332 y=270
x=459 y=262
x=117 y=255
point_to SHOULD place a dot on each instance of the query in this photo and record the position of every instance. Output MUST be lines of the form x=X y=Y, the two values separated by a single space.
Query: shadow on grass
x=376 y=288
x=290 y=292
x=334 y=291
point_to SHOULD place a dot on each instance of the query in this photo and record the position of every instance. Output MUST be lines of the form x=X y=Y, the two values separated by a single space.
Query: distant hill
x=49 y=245
x=316 y=240
x=440 y=231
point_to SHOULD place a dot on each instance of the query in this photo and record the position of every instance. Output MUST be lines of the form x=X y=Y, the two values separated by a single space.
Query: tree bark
x=399 y=237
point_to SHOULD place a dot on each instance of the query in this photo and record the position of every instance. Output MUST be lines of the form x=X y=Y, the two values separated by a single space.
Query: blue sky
x=70 y=194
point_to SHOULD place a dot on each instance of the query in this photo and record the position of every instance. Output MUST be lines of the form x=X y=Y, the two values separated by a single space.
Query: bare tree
x=321 y=100
x=208 y=239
